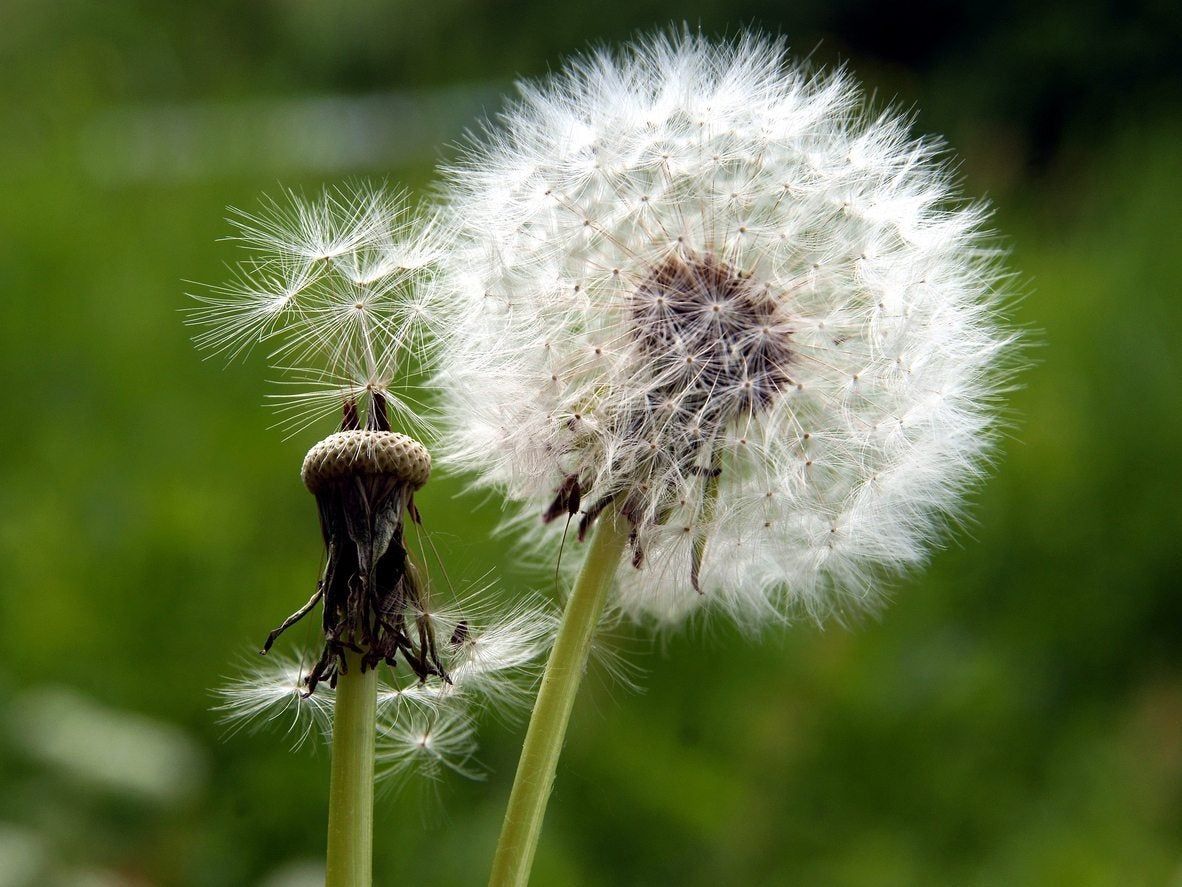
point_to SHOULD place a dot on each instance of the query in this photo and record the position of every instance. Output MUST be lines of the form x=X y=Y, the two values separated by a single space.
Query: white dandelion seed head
x=700 y=285
x=427 y=744
x=336 y=289
x=273 y=691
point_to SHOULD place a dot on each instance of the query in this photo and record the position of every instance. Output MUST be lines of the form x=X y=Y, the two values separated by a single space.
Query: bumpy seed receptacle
x=366 y=453
x=364 y=481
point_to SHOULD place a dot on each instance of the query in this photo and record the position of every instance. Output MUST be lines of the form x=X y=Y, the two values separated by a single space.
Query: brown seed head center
x=716 y=340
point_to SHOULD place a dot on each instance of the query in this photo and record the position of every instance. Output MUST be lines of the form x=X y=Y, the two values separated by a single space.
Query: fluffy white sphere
x=702 y=286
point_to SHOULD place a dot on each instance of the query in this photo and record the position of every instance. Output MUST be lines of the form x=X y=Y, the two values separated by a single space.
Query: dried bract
x=364 y=482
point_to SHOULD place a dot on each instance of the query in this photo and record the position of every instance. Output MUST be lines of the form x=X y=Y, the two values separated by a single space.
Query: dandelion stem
x=547 y=727
x=350 y=794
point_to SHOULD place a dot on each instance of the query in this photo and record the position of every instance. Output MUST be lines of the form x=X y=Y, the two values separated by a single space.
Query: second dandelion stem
x=556 y=697
x=350 y=794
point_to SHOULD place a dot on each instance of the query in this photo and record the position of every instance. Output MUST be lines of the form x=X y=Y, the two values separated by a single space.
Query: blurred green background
x=1014 y=718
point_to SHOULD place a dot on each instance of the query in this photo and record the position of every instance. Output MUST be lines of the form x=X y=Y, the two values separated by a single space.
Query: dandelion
x=714 y=304
x=335 y=291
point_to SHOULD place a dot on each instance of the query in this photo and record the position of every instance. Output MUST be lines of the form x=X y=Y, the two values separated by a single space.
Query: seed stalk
x=556 y=697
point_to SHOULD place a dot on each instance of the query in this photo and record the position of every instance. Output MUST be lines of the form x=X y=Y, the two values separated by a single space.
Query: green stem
x=556 y=697
x=350 y=793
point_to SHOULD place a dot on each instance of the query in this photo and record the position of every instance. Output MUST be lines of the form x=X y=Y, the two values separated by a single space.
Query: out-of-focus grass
x=1015 y=717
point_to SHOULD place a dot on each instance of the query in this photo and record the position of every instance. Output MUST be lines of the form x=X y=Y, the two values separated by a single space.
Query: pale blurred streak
x=305 y=873
x=23 y=856
x=94 y=878
x=161 y=144
x=106 y=749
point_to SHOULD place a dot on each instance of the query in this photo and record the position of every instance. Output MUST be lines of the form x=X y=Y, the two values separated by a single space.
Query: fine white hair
x=333 y=288
x=490 y=649
x=701 y=285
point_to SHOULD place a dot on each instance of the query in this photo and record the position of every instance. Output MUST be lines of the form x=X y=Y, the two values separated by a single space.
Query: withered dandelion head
x=336 y=290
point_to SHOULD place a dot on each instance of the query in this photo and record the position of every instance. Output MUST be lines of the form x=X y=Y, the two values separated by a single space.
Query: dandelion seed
x=428 y=744
x=733 y=305
x=493 y=654
x=336 y=290
x=490 y=650
x=275 y=692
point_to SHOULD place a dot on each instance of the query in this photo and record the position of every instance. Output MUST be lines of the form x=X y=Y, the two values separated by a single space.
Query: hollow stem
x=556 y=696
x=350 y=793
